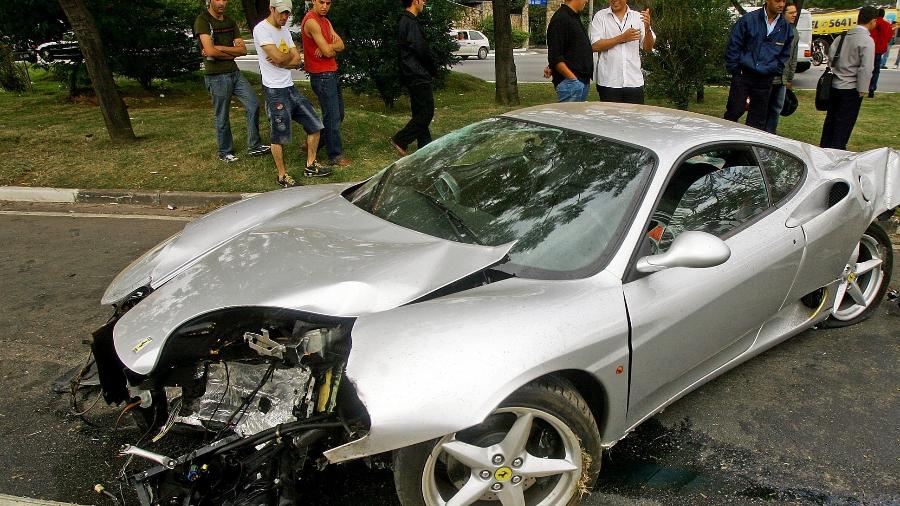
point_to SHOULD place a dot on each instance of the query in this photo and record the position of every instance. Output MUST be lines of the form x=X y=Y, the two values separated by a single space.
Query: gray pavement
x=812 y=421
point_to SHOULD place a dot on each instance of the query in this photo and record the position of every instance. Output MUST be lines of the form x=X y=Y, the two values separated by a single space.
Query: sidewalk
x=141 y=197
x=8 y=500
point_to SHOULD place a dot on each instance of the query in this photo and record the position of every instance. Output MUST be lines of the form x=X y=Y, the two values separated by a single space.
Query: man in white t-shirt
x=617 y=35
x=284 y=102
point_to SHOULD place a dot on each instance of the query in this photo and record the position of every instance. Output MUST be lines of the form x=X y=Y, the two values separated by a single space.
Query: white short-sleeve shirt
x=620 y=65
x=264 y=34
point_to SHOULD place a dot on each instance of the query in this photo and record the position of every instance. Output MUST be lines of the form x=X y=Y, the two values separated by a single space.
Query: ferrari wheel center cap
x=503 y=474
x=851 y=277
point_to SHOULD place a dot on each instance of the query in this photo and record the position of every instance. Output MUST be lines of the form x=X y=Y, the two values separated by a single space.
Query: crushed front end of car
x=262 y=391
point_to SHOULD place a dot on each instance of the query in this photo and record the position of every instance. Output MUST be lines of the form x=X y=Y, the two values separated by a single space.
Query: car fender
x=433 y=368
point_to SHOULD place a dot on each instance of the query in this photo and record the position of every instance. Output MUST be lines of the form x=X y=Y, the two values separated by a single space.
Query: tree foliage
x=519 y=37
x=691 y=36
x=369 y=64
x=150 y=39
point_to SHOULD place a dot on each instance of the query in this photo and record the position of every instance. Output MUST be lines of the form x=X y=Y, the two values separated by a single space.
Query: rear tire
x=862 y=287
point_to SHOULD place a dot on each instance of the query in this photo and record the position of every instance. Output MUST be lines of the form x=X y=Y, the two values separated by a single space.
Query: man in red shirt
x=320 y=46
x=882 y=34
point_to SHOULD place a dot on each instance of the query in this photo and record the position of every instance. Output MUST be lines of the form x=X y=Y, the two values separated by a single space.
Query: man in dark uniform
x=417 y=69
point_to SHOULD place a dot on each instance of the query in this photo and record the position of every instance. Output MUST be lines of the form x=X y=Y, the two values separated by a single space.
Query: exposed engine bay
x=262 y=391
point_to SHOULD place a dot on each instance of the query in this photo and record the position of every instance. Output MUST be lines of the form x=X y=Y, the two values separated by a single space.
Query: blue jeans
x=776 y=104
x=571 y=90
x=222 y=87
x=284 y=105
x=873 y=83
x=327 y=87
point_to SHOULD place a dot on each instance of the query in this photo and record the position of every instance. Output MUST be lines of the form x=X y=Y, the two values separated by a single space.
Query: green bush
x=486 y=26
x=690 y=42
x=369 y=64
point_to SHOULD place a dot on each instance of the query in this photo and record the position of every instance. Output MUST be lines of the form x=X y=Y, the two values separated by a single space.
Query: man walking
x=284 y=103
x=417 y=69
x=221 y=43
x=852 y=73
x=881 y=35
x=320 y=46
x=618 y=34
x=784 y=82
x=757 y=51
x=569 y=53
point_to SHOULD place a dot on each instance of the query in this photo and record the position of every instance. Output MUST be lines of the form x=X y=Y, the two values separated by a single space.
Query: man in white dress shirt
x=617 y=35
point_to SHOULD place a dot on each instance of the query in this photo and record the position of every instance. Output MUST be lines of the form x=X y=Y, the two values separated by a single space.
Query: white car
x=471 y=43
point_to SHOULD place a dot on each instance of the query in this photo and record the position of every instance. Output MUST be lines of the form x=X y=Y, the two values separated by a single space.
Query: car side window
x=714 y=191
x=476 y=36
x=783 y=171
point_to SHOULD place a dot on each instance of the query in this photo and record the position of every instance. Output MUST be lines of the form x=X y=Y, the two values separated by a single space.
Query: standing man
x=284 y=103
x=784 y=82
x=569 y=53
x=417 y=69
x=320 y=46
x=852 y=73
x=881 y=35
x=221 y=43
x=618 y=34
x=759 y=47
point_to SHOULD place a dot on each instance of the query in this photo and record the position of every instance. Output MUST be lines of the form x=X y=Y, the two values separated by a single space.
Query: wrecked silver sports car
x=486 y=315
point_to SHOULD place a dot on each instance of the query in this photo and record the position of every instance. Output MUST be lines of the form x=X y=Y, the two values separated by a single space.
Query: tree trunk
x=111 y=105
x=737 y=5
x=504 y=64
x=701 y=95
x=255 y=11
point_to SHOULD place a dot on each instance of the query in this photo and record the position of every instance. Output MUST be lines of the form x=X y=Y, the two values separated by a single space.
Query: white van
x=804 y=48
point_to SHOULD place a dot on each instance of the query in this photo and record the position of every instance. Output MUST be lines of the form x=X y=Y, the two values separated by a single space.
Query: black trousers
x=843 y=109
x=421 y=103
x=621 y=95
x=755 y=86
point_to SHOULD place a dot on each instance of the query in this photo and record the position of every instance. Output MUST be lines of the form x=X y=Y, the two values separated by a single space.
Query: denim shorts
x=284 y=105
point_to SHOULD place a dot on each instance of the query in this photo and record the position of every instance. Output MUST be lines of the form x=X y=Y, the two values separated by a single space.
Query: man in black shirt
x=417 y=69
x=569 y=53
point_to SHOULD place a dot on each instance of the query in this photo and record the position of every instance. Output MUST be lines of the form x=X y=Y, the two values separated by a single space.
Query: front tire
x=482 y=53
x=541 y=447
x=865 y=279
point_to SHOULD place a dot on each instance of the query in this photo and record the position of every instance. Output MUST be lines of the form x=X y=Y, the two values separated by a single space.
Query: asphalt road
x=530 y=68
x=812 y=421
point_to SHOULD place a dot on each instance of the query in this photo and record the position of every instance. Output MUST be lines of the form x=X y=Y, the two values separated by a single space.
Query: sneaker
x=397 y=148
x=286 y=181
x=339 y=161
x=262 y=149
x=316 y=170
x=229 y=158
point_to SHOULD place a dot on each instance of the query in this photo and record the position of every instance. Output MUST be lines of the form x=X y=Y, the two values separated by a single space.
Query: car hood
x=305 y=249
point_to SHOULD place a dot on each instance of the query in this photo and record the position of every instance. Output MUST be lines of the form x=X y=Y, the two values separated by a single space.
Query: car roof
x=667 y=132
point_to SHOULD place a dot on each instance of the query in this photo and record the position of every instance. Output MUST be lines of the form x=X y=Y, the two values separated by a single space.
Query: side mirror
x=689 y=249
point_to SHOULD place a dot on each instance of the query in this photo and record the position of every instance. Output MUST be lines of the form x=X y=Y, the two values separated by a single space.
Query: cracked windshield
x=561 y=196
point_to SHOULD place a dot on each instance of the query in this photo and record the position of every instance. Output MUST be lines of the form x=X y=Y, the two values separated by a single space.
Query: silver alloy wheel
x=506 y=470
x=482 y=53
x=860 y=281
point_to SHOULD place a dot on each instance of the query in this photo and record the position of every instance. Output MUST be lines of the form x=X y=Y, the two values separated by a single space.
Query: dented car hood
x=306 y=249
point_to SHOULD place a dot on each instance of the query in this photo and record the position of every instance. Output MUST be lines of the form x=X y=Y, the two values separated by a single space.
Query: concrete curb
x=8 y=500
x=100 y=196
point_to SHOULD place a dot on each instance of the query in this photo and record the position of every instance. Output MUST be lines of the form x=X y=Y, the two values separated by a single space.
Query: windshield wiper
x=456 y=223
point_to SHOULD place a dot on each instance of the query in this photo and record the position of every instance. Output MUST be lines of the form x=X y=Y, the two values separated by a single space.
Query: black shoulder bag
x=823 y=87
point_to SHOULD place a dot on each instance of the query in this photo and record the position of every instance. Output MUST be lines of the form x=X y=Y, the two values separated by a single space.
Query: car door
x=687 y=323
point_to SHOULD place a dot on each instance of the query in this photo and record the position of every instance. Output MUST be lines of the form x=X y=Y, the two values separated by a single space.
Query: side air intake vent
x=837 y=193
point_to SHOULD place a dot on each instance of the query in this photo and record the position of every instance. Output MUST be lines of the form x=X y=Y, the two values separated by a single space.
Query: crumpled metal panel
x=429 y=369
x=273 y=404
x=323 y=256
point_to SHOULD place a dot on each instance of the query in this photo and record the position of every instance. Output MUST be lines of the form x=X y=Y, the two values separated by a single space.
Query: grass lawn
x=47 y=140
